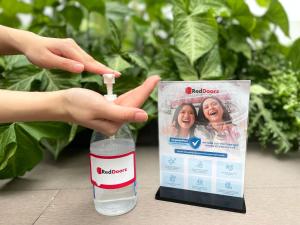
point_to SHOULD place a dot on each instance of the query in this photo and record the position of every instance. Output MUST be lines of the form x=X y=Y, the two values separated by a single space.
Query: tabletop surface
x=59 y=192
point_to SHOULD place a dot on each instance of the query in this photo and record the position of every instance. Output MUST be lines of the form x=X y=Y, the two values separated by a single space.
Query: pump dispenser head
x=109 y=80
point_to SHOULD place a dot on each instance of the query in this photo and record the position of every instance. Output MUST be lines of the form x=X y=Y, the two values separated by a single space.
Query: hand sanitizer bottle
x=112 y=164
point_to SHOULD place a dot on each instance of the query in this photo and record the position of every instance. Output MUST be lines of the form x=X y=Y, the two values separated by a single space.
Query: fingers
x=58 y=62
x=72 y=51
x=137 y=96
x=94 y=66
x=121 y=114
x=105 y=127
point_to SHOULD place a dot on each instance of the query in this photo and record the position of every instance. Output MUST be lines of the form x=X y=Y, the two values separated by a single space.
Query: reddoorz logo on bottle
x=102 y=171
x=189 y=90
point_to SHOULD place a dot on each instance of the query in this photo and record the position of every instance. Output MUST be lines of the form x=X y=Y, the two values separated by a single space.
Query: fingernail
x=78 y=67
x=140 y=117
x=109 y=69
x=117 y=73
x=158 y=77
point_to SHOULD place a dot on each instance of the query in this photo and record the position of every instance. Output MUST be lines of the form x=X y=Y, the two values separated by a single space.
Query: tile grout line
x=47 y=206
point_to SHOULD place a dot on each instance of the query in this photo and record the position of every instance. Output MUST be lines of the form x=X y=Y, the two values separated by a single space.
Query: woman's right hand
x=50 y=53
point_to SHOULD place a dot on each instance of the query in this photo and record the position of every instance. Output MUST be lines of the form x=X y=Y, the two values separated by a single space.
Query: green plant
x=179 y=40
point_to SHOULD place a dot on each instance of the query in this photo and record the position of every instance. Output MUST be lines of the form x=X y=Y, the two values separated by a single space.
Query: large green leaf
x=73 y=15
x=294 y=54
x=263 y=3
x=40 y=4
x=163 y=64
x=277 y=15
x=91 y=81
x=21 y=152
x=48 y=136
x=237 y=41
x=8 y=148
x=272 y=130
x=16 y=61
x=95 y=25
x=12 y=7
x=241 y=12
x=115 y=38
x=22 y=77
x=195 y=34
x=127 y=82
x=258 y=89
x=186 y=70
x=117 y=63
x=229 y=62
x=22 y=145
x=153 y=8
x=93 y=5
x=262 y=30
x=210 y=65
x=137 y=59
x=9 y=20
x=202 y=6
x=117 y=10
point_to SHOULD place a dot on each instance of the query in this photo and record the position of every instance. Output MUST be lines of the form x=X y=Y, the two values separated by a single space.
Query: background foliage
x=179 y=40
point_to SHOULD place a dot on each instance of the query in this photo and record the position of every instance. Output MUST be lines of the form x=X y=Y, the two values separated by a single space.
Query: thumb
x=123 y=114
x=137 y=96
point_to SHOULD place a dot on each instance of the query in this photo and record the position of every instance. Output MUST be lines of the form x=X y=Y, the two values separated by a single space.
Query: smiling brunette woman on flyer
x=216 y=120
x=183 y=123
x=78 y=105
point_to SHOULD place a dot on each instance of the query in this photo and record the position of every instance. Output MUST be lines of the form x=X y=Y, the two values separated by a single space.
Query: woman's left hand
x=90 y=109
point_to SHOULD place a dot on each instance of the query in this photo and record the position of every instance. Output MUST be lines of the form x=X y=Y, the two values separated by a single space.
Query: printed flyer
x=203 y=135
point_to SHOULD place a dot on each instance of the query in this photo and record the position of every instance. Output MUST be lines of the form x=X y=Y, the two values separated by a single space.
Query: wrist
x=32 y=106
x=24 y=41
x=14 y=41
x=59 y=111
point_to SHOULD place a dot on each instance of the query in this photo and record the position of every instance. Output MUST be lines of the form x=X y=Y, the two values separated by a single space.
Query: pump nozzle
x=109 y=80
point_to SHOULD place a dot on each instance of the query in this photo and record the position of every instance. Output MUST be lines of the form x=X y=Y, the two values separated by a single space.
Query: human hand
x=90 y=109
x=65 y=54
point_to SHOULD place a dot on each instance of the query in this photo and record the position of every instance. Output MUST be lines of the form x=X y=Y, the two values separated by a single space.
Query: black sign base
x=215 y=201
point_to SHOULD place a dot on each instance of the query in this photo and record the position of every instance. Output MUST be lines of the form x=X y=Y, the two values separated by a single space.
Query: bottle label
x=111 y=172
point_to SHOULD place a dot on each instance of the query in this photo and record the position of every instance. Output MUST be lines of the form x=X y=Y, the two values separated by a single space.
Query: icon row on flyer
x=231 y=170
x=202 y=184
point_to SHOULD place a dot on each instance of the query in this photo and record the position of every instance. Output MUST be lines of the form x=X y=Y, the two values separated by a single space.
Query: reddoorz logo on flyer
x=189 y=90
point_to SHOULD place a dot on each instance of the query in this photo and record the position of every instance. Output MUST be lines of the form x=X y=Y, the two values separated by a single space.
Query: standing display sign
x=202 y=142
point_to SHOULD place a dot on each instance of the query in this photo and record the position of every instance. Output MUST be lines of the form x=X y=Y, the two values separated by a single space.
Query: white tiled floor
x=58 y=193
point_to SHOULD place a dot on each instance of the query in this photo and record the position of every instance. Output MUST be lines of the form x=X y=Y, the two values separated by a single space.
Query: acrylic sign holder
x=215 y=201
x=223 y=163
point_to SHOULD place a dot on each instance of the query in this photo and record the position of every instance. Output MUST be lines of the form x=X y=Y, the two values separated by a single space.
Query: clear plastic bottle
x=113 y=172
x=114 y=201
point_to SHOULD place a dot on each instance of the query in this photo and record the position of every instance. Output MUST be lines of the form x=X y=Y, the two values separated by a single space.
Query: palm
x=133 y=98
